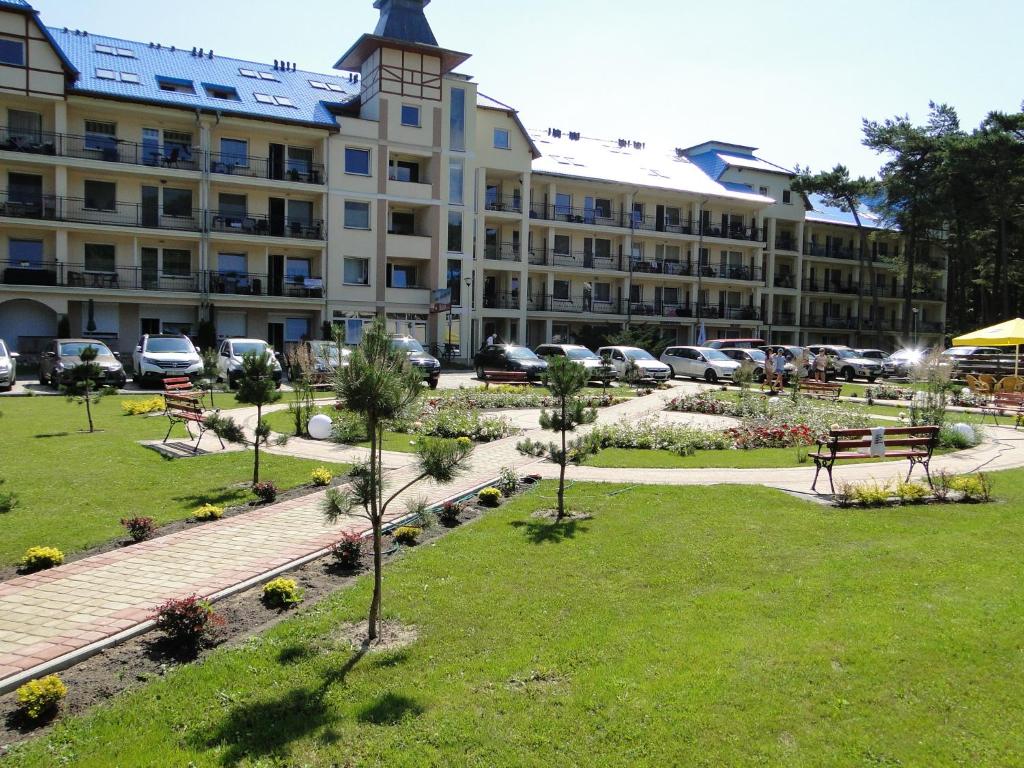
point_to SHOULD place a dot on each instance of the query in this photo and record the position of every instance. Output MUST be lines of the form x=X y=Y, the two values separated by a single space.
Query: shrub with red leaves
x=348 y=551
x=186 y=622
x=139 y=528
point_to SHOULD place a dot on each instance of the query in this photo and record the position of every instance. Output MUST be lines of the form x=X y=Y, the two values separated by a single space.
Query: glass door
x=150 y=268
x=151 y=146
x=150 y=206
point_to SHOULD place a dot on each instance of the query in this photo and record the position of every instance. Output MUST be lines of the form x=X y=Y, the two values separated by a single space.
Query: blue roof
x=311 y=105
x=828 y=214
x=16 y=3
x=710 y=163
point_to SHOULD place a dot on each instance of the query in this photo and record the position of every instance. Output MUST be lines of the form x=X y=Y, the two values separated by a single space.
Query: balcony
x=298 y=171
x=783 y=318
x=503 y=203
x=267 y=226
x=784 y=280
x=404 y=246
x=106 y=149
x=259 y=284
x=61 y=274
x=573 y=259
x=503 y=252
x=501 y=300
x=785 y=242
x=74 y=209
x=663 y=267
x=820 y=286
x=732 y=272
x=723 y=312
x=830 y=251
x=575 y=305
x=659 y=309
x=823 y=321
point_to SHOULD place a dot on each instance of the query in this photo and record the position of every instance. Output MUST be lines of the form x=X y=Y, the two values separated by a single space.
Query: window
x=12 y=52
x=335 y=88
x=232 y=263
x=456 y=176
x=357 y=161
x=100 y=195
x=402 y=276
x=455 y=231
x=130 y=77
x=300 y=213
x=357 y=215
x=24 y=125
x=501 y=139
x=106 y=74
x=175 y=85
x=99 y=258
x=411 y=115
x=268 y=76
x=317 y=84
x=603 y=248
x=297 y=270
x=563 y=204
x=263 y=98
x=296 y=328
x=284 y=101
x=247 y=73
x=234 y=152
x=787 y=196
x=177 y=202
x=221 y=92
x=603 y=208
x=101 y=136
x=602 y=292
x=561 y=289
x=25 y=188
x=300 y=161
x=177 y=263
x=763 y=191
x=563 y=245
x=671 y=296
x=106 y=49
x=457 y=121
x=404 y=170
x=402 y=223
x=636 y=293
x=672 y=217
x=232 y=206
x=357 y=271
x=25 y=253
x=454 y=280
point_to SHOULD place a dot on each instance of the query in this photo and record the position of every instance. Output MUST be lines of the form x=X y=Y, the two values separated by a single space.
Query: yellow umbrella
x=1010 y=333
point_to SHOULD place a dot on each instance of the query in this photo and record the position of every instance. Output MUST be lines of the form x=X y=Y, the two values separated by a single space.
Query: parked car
x=889 y=366
x=699 y=363
x=757 y=359
x=847 y=364
x=905 y=359
x=8 y=367
x=647 y=365
x=231 y=352
x=509 y=357
x=427 y=364
x=578 y=354
x=799 y=357
x=160 y=355
x=62 y=355
x=322 y=357
x=735 y=343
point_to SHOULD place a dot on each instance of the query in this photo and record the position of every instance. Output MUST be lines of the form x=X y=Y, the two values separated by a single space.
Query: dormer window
x=221 y=92
x=175 y=85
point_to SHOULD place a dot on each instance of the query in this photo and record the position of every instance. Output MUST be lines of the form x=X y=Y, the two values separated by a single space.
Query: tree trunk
x=88 y=405
x=561 y=470
x=373 y=620
x=256 y=444
x=908 y=286
x=1002 y=278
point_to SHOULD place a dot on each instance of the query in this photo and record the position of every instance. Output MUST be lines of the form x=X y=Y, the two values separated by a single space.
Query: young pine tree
x=256 y=386
x=565 y=380
x=83 y=387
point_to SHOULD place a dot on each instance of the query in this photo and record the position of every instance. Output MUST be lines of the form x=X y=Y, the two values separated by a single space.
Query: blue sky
x=791 y=77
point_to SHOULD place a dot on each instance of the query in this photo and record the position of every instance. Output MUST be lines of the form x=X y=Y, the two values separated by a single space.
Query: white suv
x=699 y=363
x=231 y=352
x=158 y=356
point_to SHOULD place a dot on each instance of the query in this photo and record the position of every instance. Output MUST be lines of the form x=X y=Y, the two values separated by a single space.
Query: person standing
x=766 y=374
x=820 y=364
x=779 y=368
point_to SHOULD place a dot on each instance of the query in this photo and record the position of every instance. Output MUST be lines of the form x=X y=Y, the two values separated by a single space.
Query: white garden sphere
x=965 y=391
x=964 y=429
x=773 y=400
x=320 y=427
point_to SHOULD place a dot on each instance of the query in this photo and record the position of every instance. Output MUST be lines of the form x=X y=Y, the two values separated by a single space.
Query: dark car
x=509 y=357
x=420 y=359
x=60 y=357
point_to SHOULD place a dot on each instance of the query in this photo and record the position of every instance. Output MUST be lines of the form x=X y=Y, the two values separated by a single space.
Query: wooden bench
x=823 y=389
x=1006 y=404
x=504 y=377
x=914 y=443
x=181 y=385
x=184 y=408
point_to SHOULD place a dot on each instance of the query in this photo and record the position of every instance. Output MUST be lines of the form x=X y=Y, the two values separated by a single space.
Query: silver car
x=699 y=363
x=580 y=355
x=8 y=367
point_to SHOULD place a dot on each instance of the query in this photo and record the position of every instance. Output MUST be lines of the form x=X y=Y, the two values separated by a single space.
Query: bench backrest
x=923 y=436
x=1009 y=399
x=178 y=384
x=812 y=384
x=182 y=403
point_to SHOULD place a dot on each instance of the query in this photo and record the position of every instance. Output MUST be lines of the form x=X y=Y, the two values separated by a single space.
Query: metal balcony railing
x=268 y=226
x=260 y=284
x=833 y=286
x=501 y=300
x=232 y=164
x=783 y=318
x=503 y=252
x=503 y=203
x=724 y=312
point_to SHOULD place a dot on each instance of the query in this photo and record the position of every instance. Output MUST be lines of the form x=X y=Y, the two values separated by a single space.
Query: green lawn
x=281 y=422
x=74 y=487
x=632 y=458
x=704 y=626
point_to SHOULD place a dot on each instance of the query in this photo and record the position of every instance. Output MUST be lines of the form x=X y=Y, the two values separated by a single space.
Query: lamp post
x=915 y=311
x=471 y=284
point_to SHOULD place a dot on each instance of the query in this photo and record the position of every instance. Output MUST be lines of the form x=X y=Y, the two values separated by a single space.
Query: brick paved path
x=50 y=619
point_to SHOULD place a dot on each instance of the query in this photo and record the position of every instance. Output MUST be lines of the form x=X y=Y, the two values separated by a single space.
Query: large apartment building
x=147 y=188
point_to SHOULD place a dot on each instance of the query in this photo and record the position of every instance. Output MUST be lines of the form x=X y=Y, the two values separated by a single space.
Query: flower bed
x=510 y=397
x=770 y=436
x=889 y=392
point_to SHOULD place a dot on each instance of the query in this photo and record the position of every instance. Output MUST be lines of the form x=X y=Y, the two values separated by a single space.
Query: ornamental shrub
x=209 y=512
x=140 y=406
x=186 y=622
x=40 y=698
x=348 y=551
x=281 y=593
x=41 y=558
x=455 y=422
x=139 y=528
x=871 y=494
x=508 y=481
x=348 y=427
x=911 y=492
x=489 y=496
x=449 y=512
x=407 y=535
x=973 y=488
x=952 y=438
x=265 y=491
x=321 y=476
x=8 y=500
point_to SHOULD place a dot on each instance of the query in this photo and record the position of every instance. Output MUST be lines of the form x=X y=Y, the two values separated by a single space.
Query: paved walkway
x=51 y=619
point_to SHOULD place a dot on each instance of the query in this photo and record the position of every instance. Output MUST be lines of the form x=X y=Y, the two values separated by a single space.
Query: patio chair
x=988 y=380
x=976 y=385
x=1010 y=384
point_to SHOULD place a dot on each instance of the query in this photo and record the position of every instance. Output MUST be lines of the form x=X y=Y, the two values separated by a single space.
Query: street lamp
x=471 y=284
x=915 y=312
